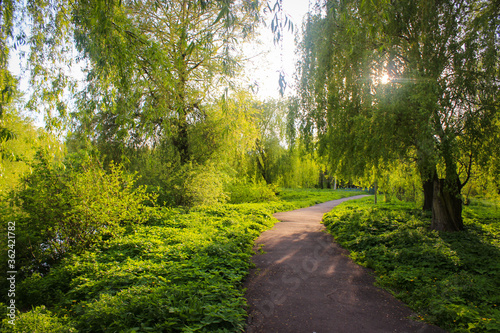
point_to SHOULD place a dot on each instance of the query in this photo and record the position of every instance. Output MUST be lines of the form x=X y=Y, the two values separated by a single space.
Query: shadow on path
x=304 y=282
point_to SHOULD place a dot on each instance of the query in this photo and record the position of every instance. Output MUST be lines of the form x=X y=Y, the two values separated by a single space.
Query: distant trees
x=439 y=107
x=18 y=152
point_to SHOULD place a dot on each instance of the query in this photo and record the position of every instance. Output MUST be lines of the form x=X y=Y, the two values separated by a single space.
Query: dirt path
x=304 y=282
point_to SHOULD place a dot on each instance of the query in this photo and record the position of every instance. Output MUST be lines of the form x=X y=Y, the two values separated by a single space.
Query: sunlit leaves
x=160 y=61
x=440 y=58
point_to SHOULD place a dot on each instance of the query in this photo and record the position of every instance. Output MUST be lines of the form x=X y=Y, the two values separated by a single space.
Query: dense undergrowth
x=180 y=271
x=449 y=279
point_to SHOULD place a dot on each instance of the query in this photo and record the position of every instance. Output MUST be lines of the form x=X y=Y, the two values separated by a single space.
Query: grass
x=450 y=279
x=182 y=271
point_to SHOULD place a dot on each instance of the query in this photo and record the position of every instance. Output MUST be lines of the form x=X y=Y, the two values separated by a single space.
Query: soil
x=304 y=282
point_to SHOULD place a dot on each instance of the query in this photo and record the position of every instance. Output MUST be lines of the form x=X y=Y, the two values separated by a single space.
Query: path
x=304 y=283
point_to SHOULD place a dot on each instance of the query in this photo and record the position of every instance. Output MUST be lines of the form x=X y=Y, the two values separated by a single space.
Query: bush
x=242 y=192
x=38 y=320
x=203 y=185
x=70 y=206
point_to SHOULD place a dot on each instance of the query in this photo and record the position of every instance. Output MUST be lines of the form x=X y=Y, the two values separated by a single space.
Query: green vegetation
x=450 y=279
x=69 y=206
x=178 y=271
x=405 y=82
x=137 y=205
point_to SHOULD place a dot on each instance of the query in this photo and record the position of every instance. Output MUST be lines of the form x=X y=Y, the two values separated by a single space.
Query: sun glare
x=384 y=79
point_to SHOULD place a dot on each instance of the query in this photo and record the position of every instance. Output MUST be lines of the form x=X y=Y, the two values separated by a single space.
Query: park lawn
x=182 y=271
x=450 y=279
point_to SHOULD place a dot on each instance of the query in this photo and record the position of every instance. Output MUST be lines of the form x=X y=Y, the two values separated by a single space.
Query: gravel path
x=304 y=282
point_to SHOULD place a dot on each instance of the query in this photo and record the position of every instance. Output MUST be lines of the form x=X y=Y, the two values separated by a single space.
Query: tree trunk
x=181 y=142
x=428 y=186
x=321 y=179
x=263 y=162
x=446 y=206
x=427 y=168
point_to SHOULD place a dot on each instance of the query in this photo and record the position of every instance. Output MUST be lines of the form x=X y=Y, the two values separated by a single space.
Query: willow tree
x=386 y=80
x=152 y=65
x=7 y=81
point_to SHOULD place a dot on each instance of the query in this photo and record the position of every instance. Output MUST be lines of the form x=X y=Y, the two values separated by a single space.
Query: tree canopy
x=439 y=107
x=152 y=66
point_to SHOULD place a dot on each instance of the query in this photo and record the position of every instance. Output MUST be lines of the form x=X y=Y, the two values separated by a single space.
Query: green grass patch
x=450 y=279
x=309 y=197
x=181 y=271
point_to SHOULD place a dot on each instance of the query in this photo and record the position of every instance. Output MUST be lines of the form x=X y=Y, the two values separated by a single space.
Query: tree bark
x=428 y=186
x=263 y=162
x=321 y=179
x=446 y=206
x=181 y=142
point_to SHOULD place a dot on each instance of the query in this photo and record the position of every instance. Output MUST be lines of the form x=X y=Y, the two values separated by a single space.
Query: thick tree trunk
x=321 y=179
x=428 y=186
x=446 y=206
x=427 y=168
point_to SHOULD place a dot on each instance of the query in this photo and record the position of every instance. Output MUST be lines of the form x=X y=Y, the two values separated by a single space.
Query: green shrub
x=38 y=320
x=203 y=185
x=242 y=192
x=70 y=206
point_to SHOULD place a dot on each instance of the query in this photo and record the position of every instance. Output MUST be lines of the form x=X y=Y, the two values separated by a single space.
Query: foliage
x=39 y=320
x=452 y=280
x=299 y=167
x=204 y=185
x=154 y=66
x=241 y=192
x=69 y=206
x=398 y=180
x=439 y=106
x=17 y=153
x=178 y=272
x=8 y=83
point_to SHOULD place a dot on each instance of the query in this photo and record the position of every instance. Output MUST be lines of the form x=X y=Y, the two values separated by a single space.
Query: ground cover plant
x=450 y=279
x=179 y=271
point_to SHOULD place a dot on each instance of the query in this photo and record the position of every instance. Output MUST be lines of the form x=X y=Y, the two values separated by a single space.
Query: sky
x=266 y=59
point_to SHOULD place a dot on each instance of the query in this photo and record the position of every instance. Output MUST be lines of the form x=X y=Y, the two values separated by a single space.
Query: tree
x=268 y=146
x=17 y=153
x=150 y=65
x=441 y=101
x=153 y=65
x=8 y=83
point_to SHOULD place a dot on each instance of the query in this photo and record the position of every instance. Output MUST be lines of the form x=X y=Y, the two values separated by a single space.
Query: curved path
x=304 y=282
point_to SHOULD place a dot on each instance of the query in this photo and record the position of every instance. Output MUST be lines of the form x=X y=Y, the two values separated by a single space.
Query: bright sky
x=266 y=60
